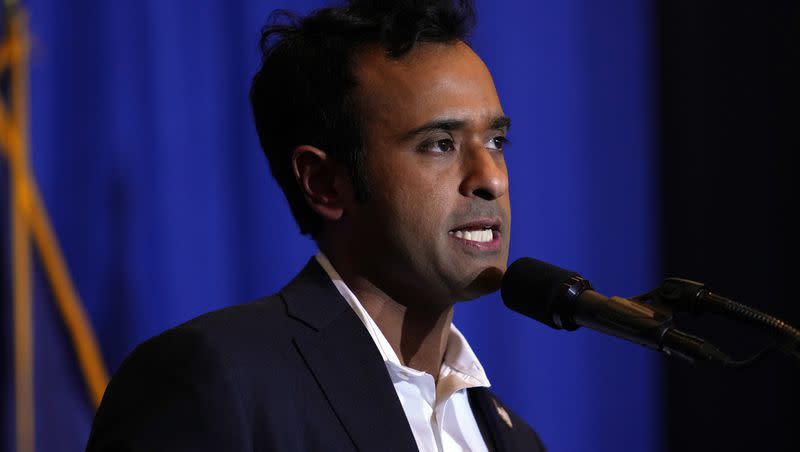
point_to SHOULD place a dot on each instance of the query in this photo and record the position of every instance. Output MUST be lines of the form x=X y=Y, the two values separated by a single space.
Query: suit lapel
x=345 y=362
x=489 y=414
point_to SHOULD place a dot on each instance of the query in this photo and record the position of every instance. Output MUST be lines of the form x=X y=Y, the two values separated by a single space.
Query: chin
x=486 y=282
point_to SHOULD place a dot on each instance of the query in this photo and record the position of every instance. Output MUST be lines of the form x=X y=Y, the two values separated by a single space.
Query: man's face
x=436 y=228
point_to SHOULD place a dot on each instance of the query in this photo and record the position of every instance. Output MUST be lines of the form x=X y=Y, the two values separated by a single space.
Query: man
x=384 y=130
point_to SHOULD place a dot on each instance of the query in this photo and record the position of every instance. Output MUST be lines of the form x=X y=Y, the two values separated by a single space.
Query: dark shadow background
x=729 y=126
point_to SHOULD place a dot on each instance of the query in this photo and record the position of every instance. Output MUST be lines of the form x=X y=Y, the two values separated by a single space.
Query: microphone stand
x=683 y=295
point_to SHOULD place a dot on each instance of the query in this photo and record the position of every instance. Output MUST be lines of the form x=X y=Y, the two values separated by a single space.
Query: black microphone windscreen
x=534 y=288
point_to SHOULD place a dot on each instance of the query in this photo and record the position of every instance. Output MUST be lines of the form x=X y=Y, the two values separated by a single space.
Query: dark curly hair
x=303 y=91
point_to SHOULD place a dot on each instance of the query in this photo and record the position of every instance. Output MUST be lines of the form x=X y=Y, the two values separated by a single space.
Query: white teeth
x=484 y=235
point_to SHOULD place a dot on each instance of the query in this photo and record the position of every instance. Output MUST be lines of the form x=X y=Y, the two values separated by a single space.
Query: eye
x=438 y=146
x=498 y=143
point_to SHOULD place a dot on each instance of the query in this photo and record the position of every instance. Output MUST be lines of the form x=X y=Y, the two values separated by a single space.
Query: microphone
x=563 y=299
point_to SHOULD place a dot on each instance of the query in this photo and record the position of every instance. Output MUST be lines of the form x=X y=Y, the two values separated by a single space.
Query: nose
x=485 y=174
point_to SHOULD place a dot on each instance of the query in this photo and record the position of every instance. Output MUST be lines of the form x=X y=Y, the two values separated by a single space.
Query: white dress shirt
x=439 y=415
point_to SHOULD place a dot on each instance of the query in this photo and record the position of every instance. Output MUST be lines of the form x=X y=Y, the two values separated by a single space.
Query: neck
x=417 y=332
x=418 y=336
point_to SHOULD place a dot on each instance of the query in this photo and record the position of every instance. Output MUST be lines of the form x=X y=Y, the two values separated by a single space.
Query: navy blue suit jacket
x=296 y=371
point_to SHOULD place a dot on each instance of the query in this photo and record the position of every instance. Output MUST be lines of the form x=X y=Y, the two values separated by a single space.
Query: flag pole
x=30 y=223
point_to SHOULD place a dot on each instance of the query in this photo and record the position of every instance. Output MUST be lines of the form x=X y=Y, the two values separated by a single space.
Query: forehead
x=434 y=80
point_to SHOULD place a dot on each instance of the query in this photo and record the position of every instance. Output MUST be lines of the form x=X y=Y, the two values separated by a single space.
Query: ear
x=322 y=181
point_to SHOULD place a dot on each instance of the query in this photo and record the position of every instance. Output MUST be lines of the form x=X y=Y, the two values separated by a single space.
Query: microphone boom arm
x=683 y=295
x=648 y=324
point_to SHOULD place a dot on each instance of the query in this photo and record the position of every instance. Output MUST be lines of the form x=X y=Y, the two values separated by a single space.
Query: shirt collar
x=459 y=359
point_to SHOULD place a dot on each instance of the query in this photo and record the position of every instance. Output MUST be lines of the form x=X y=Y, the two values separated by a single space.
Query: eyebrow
x=498 y=122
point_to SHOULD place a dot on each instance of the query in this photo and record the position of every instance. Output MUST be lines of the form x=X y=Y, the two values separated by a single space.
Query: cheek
x=413 y=200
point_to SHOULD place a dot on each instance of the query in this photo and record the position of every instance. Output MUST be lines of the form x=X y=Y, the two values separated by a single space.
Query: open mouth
x=483 y=234
x=475 y=235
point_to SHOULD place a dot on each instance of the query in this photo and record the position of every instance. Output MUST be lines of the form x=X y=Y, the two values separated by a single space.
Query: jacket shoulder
x=265 y=318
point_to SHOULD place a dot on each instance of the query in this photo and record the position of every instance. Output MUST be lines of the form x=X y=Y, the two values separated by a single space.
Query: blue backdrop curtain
x=148 y=161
